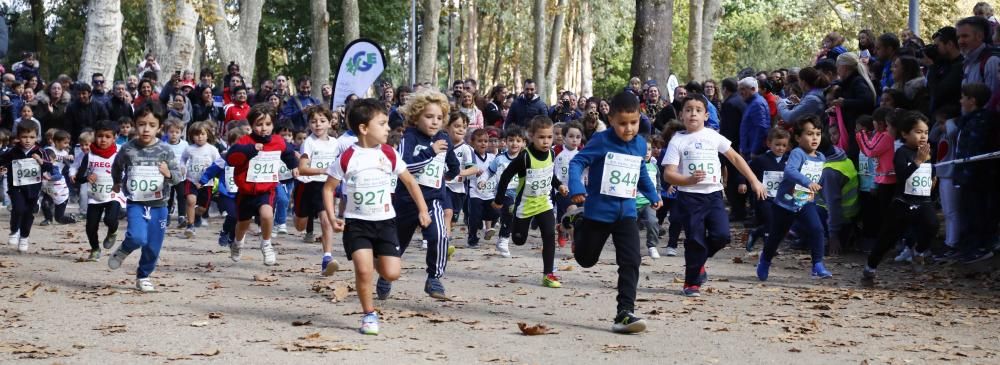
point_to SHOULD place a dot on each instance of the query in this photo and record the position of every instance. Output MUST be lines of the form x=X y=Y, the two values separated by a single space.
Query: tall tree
x=320 y=46
x=428 y=50
x=238 y=42
x=472 y=39
x=711 y=18
x=41 y=43
x=586 y=32
x=552 y=70
x=696 y=13
x=174 y=45
x=102 y=40
x=352 y=29
x=652 y=39
x=538 y=68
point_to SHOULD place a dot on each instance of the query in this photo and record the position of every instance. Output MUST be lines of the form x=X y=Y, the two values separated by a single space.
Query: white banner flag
x=361 y=63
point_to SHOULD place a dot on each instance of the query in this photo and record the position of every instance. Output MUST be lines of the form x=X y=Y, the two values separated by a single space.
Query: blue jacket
x=754 y=126
x=793 y=176
x=713 y=115
x=600 y=207
x=292 y=111
x=811 y=104
x=522 y=110
x=417 y=158
x=217 y=170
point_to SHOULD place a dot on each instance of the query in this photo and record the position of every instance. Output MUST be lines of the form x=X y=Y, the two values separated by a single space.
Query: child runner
x=770 y=169
x=125 y=126
x=317 y=153
x=25 y=167
x=912 y=206
x=840 y=192
x=102 y=201
x=669 y=193
x=146 y=168
x=55 y=190
x=85 y=140
x=866 y=184
x=515 y=140
x=645 y=210
x=256 y=158
x=369 y=170
x=533 y=200
x=198 y=157
x=616 y=175
x=795 y=200
x=458 y=123
x=174 y=129
x=428 y=154
x=227 y=189
x=692 y=165
x=572 y=138
x=481 y=213
x=282 y=198
x=879 y=148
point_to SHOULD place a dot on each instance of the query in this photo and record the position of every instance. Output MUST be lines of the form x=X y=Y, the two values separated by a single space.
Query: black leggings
x=109 y=211
x=547 y=225
x=590 y=237
x=919 y=217
x=49 y=205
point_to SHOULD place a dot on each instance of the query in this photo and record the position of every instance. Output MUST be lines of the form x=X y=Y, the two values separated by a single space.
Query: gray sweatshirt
x=132 y=154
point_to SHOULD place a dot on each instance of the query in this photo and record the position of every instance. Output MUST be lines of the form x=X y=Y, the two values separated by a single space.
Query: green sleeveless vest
x=534 y=191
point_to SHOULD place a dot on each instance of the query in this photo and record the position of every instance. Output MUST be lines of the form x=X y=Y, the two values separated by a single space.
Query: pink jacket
x=879 y=147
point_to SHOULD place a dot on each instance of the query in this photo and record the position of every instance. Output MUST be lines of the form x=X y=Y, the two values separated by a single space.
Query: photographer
x=565 y=111
x=944 y=75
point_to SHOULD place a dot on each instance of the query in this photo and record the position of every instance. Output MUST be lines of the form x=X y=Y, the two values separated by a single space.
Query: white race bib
x=866 y=172
x=702 y=160
x=771 y=181
x=919 y=184
x=284 y=173
x=230 y=180
x=264 y=167
x=101 y=189
x=538 y=182
x=370 y=193
x=196 y=167
x=26 y=171
x=812 y=170
x=621 y=175
x=489 y=187
x=431 y=175
x=145 y=183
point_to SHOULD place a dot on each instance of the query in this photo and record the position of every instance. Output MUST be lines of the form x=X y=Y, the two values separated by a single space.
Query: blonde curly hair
x=416 y=103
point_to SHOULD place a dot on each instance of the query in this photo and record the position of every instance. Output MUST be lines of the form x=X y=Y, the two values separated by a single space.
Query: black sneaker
x=434 y=288
x=976 y=256
x=382 y=289
x=868 y=277
x=627 y=322
x=45 y=223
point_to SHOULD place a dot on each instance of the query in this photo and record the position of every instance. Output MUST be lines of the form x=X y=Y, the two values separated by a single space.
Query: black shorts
x=248 y=206
x=378 y=236
x=203 y=196
x=309 y=199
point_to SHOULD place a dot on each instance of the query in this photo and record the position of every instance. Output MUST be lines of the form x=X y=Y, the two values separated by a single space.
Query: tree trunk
x=652 y=40
x=103 y=39
x=239 y=44
x=568 y=60
x=695 y=31
x=321 y=46
x=427 y=59
x=472 y=39
x=710 y=23
x=156 y=36
x=538 y=69
x=198 y=59
x=586 y=51
x=552 y=70
x=351 y=28
x=41 y=43
x=174 y=48
x=497 y=50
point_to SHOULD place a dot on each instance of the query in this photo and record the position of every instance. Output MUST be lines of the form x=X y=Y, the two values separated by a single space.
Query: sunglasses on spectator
x=98 y=81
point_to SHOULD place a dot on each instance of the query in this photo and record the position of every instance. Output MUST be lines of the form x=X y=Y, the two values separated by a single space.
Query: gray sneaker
x=234 y=251
x=110 y=240
x=115 y=261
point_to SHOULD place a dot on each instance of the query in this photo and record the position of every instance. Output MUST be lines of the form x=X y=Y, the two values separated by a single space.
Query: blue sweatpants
x=228 y=204
x=146 y=227
x=810 y=230
x=706 y=225
x=407 y=222
x=281 y=202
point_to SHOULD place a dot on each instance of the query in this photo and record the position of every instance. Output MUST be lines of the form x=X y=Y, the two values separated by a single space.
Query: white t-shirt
x=196 y=159
x=562 y=164
x=100 y=191
x=369 y=182
x=178 y=149
x=484 y=165
x=464 y=153
x=346 y=140
x=698 y=151
x=322 y=153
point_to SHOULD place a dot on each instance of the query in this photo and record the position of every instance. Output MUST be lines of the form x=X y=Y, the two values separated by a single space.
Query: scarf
x=103 y=152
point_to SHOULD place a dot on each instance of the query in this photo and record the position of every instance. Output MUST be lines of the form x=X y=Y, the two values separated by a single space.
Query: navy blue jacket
x=416 y=151
x=522 y=110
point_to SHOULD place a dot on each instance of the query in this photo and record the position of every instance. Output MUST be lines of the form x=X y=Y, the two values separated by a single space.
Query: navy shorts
x=248 y=206
x=378 y=236
x=309 y=199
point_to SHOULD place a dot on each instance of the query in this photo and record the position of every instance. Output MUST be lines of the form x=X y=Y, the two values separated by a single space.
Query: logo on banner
x=362 y=61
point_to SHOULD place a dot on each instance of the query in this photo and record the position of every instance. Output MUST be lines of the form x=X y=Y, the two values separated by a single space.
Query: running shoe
x=702 y=276
x=503 y=246
x=330 y=265
x=95 y=255
x=451 y=252
x=383 y=288
x=626 y=322
x=820 y=272
x=224 y=239
x=489 y=233
x=691 y=291
x=282 y=229
x=145 y=285
x=13 y=238
x=671 y=251
x=868 y=276
x=434 y=288
x=22 y=245
x=270 y=257
x=551 y=281
x=115 y=261
x=653 y=253
x=109 y=240
x=369 y=324
x=234 y=251
x=905 y=255
x=752 y=239
x=763 y=269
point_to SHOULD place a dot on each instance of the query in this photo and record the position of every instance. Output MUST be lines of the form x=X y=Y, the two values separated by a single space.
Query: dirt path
x=56 y=309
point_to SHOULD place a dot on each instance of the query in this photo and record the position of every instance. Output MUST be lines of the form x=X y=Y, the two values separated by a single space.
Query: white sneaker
x=270 y=257
x=115 y=261
x=14 y=237
x=22 y=245
x=423 y=244
x=189 y=233
x=489 y=234
x=671 y=251
x=905 y=255
x=234 y=251
x=653 y=253
x=145 y=285
x=283 y=229
x=503 y=247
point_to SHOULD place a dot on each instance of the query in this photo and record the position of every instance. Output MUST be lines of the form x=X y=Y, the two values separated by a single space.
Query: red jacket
x=245 y=149
x=237 y=112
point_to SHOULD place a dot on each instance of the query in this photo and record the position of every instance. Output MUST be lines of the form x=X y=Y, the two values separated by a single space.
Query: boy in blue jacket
x=227 y=189
x=615 y=159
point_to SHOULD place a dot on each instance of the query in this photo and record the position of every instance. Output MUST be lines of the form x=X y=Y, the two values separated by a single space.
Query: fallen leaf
x=264 y=279
x=567 y=268
x=536 y=330
x=30 y=292
x=614 y=347
x=794 y=350
x=302 y=323
x=110 y=328
x=208 y=353
x=215 y=315
x=737 y=260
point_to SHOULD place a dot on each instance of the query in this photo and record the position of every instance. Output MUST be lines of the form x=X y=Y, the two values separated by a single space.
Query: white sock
x=325 y=254
x=266 y=243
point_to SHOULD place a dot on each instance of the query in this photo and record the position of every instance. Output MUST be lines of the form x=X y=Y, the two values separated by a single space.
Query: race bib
x=431 y=175
x=488 y=187
x=370 y=193
x=145 y=183
x=813 y=171
x=231 y=180
x=771 y=181
x=621 y=175
x=196 y=167
x=703 y=160
x=919 y=183
x=101 y=189
x=653 y=173
x=26 y=171
x=866 y=173
x=538 y=182
x=264 y=167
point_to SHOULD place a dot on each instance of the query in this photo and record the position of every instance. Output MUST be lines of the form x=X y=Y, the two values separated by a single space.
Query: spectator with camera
x=566 y=110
